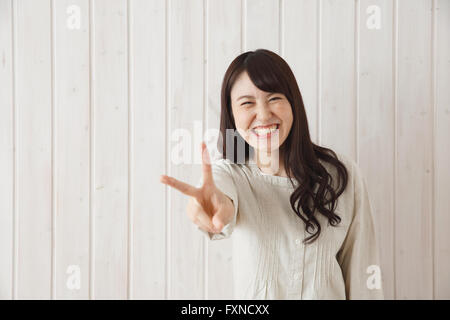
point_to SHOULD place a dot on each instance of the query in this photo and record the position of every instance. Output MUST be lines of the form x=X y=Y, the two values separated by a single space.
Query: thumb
x=220 y=219
x=225 y=210
x=218 y=222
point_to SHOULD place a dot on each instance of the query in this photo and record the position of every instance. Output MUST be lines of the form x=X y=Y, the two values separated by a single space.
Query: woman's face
x=254 y=109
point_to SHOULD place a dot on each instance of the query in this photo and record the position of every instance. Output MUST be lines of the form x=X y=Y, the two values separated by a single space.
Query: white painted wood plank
x=110 y=147
x=186 y=243
x=261 y=23
x=442 y=152
x=72 y=112
x=376 y=112
x=6 y=150
x=413 y=217
x=300 y=50
x=32 y=31
x=224 y=44
x=337 y=72
x=366 y=134
x=147 y=75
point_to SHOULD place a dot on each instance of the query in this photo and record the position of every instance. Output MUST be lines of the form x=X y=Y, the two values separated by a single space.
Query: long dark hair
x=270 y=73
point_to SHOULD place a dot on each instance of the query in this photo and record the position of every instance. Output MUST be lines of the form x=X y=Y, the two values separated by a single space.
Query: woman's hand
x=208 y=207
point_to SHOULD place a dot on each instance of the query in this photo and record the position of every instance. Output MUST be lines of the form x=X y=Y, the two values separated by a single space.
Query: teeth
x=262 y=131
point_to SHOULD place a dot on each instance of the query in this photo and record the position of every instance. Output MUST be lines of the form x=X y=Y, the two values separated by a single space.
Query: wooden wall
x=93 y=95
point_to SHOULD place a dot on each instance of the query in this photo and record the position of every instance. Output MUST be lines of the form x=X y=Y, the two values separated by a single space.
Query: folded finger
x=200 y=217
x=203 y=227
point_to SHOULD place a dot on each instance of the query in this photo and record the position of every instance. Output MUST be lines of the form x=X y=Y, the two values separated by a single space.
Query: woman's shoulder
x=221 y=163
x=353 y=176
x=354 y=170
x=226 y=166
x=346 y=160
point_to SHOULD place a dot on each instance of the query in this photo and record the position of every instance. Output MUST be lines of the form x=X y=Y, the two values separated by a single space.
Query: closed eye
x=274 y=98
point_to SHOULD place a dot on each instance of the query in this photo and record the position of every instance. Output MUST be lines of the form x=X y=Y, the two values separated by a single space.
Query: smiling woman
x=270 y=210
x=256 y=77
x=260 y=99
x=263 y=119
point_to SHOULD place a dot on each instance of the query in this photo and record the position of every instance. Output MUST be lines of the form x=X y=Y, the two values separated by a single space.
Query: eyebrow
x=247 y=96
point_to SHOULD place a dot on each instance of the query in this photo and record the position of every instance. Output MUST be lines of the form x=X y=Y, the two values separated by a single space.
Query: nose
x=263 y=112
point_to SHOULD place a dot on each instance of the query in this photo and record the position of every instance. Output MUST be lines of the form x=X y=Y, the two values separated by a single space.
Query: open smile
x=265 y=132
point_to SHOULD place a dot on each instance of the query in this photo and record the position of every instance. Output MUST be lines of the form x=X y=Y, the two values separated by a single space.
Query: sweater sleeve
x=224 y=181
x=359 y=255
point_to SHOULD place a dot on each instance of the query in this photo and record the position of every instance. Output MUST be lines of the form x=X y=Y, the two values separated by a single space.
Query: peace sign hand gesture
x=208 y=207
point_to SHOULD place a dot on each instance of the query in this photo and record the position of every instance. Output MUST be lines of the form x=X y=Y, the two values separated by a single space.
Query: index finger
x=179 y=185
x=206 y=165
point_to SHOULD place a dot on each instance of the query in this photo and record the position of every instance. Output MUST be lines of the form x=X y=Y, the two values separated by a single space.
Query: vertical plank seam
x=166 y=162
x=356 y=60
x=53 y=162
x=130 y=165
x=433 y=142
x=280 y=27
x=319 y=70
x=395 y=76
x=15 y=232
x=243 y=25
x=91 y=157
x=205 y=245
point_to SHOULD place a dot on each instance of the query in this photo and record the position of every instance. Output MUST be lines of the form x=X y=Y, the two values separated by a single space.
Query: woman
x=277 y=193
